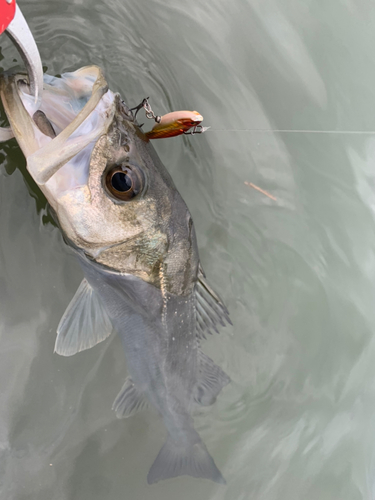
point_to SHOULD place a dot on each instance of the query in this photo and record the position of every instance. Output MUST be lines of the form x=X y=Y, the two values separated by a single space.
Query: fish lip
x=67 y=143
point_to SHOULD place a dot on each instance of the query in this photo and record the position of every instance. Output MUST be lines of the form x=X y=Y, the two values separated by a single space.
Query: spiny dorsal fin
x=211 y=379
x=210 y=309
x=84 y=324
x=129 y=400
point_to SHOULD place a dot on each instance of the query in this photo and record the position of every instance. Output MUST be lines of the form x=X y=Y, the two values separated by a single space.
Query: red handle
x=7 y=11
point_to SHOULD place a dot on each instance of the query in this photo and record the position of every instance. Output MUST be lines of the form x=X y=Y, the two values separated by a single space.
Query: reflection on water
x=298 y=274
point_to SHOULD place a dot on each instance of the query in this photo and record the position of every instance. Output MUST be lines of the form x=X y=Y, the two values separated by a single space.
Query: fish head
x=113 y=198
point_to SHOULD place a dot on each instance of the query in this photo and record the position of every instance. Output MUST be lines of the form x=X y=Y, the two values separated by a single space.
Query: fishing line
x=290 y=131
x=182 y=122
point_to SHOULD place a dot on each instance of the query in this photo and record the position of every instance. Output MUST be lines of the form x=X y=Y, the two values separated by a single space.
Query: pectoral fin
x=85 y=323
x=211 y=380
x=129 y=400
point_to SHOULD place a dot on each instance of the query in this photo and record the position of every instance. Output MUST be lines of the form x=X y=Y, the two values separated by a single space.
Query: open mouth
x=76 y=109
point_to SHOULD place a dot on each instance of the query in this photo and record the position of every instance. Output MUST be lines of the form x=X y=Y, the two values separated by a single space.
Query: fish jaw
x=28 y=136
x=80 y=110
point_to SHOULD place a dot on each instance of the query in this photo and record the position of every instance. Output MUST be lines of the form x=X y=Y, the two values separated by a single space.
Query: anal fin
x=129 y=400
x=211 y=380
x=84 y=324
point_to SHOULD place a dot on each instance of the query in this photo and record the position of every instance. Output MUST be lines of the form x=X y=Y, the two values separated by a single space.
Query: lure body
x=175 y=123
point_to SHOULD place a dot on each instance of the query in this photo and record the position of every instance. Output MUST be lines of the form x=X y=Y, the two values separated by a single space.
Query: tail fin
x=175 y=460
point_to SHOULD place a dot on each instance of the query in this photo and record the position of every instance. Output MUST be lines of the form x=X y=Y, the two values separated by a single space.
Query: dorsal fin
x=210 y=309
x=84 y=324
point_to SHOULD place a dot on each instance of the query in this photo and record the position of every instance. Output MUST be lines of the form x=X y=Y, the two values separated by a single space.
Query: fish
x=134 y=237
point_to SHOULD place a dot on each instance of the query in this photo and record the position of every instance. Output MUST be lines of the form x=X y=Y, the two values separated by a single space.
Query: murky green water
x=297 y=274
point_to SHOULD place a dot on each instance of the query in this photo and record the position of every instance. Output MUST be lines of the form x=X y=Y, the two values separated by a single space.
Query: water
x=297 y=274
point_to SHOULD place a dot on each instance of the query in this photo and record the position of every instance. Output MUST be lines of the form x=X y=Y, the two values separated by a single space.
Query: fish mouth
x=76 y=110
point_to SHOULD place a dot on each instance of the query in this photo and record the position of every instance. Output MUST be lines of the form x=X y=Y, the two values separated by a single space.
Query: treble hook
x=198 y=129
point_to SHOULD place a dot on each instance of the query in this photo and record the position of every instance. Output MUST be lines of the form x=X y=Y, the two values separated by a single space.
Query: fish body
x=163 y=359
x=134 y=237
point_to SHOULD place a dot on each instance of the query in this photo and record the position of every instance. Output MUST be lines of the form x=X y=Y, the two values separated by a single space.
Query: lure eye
x=124 y=182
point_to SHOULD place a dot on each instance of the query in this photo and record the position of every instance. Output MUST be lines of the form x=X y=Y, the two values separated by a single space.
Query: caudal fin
x=176 y=460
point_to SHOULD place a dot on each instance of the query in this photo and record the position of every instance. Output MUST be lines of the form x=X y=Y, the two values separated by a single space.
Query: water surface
x=297 y=274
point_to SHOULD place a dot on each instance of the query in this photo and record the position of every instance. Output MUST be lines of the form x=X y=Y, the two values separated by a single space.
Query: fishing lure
x=176 y=123
x=172 y=124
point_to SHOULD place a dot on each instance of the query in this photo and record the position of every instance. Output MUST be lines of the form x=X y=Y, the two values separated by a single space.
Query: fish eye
x=123 y=182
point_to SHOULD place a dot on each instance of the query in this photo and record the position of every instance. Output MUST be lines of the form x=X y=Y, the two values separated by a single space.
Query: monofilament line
x=287 y=131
